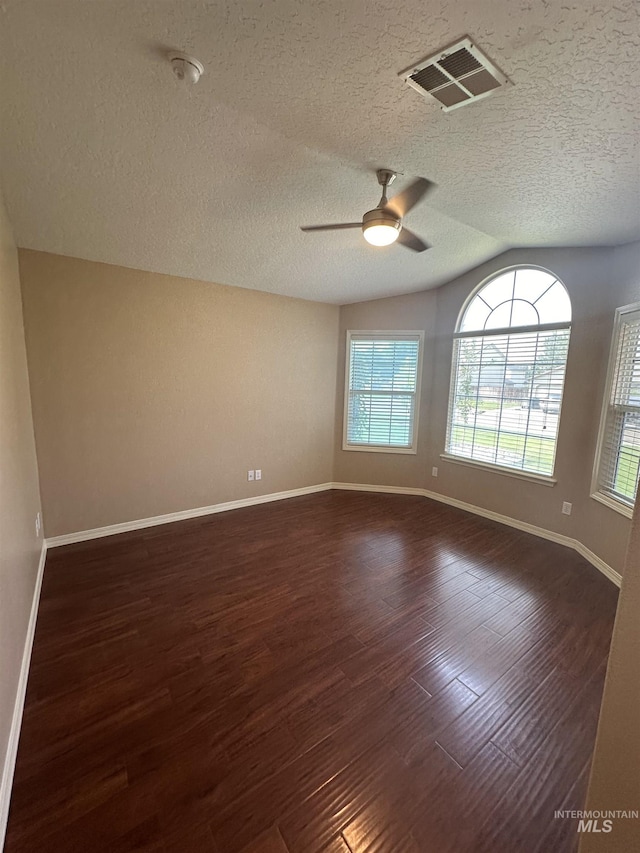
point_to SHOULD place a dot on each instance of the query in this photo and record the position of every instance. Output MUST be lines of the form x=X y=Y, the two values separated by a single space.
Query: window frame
x=393 y=335
x=493 y=467
x=597 y=494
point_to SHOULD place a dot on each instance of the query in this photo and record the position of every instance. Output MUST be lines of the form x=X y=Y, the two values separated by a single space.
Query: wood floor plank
x=438 y=672
x=478 y=790
x=270 y=842
x=562 y=832
x=311 y=826
x=69 y=803
x=427 y=721
x=490 y=666
x=377 y=655
x=545 y=782
x=337 y=845
x=467 y=734
x=340 y=672
x=380 y=826
x=431 y=646
x=133 y=813
x=535 y=717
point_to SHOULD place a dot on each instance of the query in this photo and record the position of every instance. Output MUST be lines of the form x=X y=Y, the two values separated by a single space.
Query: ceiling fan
x=383 y=225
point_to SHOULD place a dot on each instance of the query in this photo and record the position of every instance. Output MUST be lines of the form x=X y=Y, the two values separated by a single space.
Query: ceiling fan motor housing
x=380 y=216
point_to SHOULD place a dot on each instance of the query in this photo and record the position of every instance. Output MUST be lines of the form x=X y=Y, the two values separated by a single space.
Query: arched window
x=509 y=358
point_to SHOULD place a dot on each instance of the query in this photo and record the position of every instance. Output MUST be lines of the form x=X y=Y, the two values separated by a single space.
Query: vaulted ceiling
x=105 y=155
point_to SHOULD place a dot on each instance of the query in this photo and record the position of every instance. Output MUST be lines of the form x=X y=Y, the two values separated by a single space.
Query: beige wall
x=615 y=772
x=598 y=281
x=154 y=394
x=19 y=497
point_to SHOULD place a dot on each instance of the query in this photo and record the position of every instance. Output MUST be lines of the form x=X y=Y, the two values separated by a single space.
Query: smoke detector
x=455 y=76
x=186 y=67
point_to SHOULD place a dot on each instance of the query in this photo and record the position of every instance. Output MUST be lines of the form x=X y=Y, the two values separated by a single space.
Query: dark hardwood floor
x=339 y=672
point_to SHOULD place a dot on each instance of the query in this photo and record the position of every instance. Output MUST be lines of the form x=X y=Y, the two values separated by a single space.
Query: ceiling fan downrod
x=385 y=178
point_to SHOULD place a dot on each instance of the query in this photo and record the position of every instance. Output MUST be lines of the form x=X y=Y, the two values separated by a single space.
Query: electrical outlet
x=566 y=508
x=38 y=524
x=258 y=473
x=434 y=471
x=250 y=476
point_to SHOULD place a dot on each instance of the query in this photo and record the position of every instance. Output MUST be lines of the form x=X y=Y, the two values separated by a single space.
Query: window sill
x=541 y=479
x=374 y=448
x=612 y=503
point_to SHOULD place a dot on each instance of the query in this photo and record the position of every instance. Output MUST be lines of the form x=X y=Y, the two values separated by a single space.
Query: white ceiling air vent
x=456 y=76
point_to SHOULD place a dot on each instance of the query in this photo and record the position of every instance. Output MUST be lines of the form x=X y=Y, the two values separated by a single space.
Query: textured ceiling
x=105 y=155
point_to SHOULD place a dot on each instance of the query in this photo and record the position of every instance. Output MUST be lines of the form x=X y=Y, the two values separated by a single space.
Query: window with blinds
x=509 y=359
x=382 y=391
x=618 y=459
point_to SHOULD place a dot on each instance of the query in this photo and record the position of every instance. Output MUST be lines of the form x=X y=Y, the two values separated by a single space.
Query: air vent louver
x=458 y=75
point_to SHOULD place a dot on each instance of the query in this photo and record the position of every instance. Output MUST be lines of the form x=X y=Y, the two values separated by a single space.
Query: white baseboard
x=599 y=563
x=387 y=490
x=525 y=526
x=140 y=524
x=542 y=532
x=16 y=720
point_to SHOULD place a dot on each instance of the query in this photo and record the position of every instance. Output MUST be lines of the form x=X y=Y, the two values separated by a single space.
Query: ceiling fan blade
x=336 y=227
x=402 y=203
x=412 y=241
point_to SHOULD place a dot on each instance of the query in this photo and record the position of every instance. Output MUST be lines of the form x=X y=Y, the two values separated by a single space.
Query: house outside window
x=382 y=391
x=615 y=481
x=509 y=359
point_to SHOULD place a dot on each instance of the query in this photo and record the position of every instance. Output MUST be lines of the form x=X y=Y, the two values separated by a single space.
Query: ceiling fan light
x=381 y=235
x=380 y=228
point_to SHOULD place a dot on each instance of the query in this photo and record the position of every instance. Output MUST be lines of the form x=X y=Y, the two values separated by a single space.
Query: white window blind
x=509 y=360
x=619 y=456
x=382 y=390
x=506 y=400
